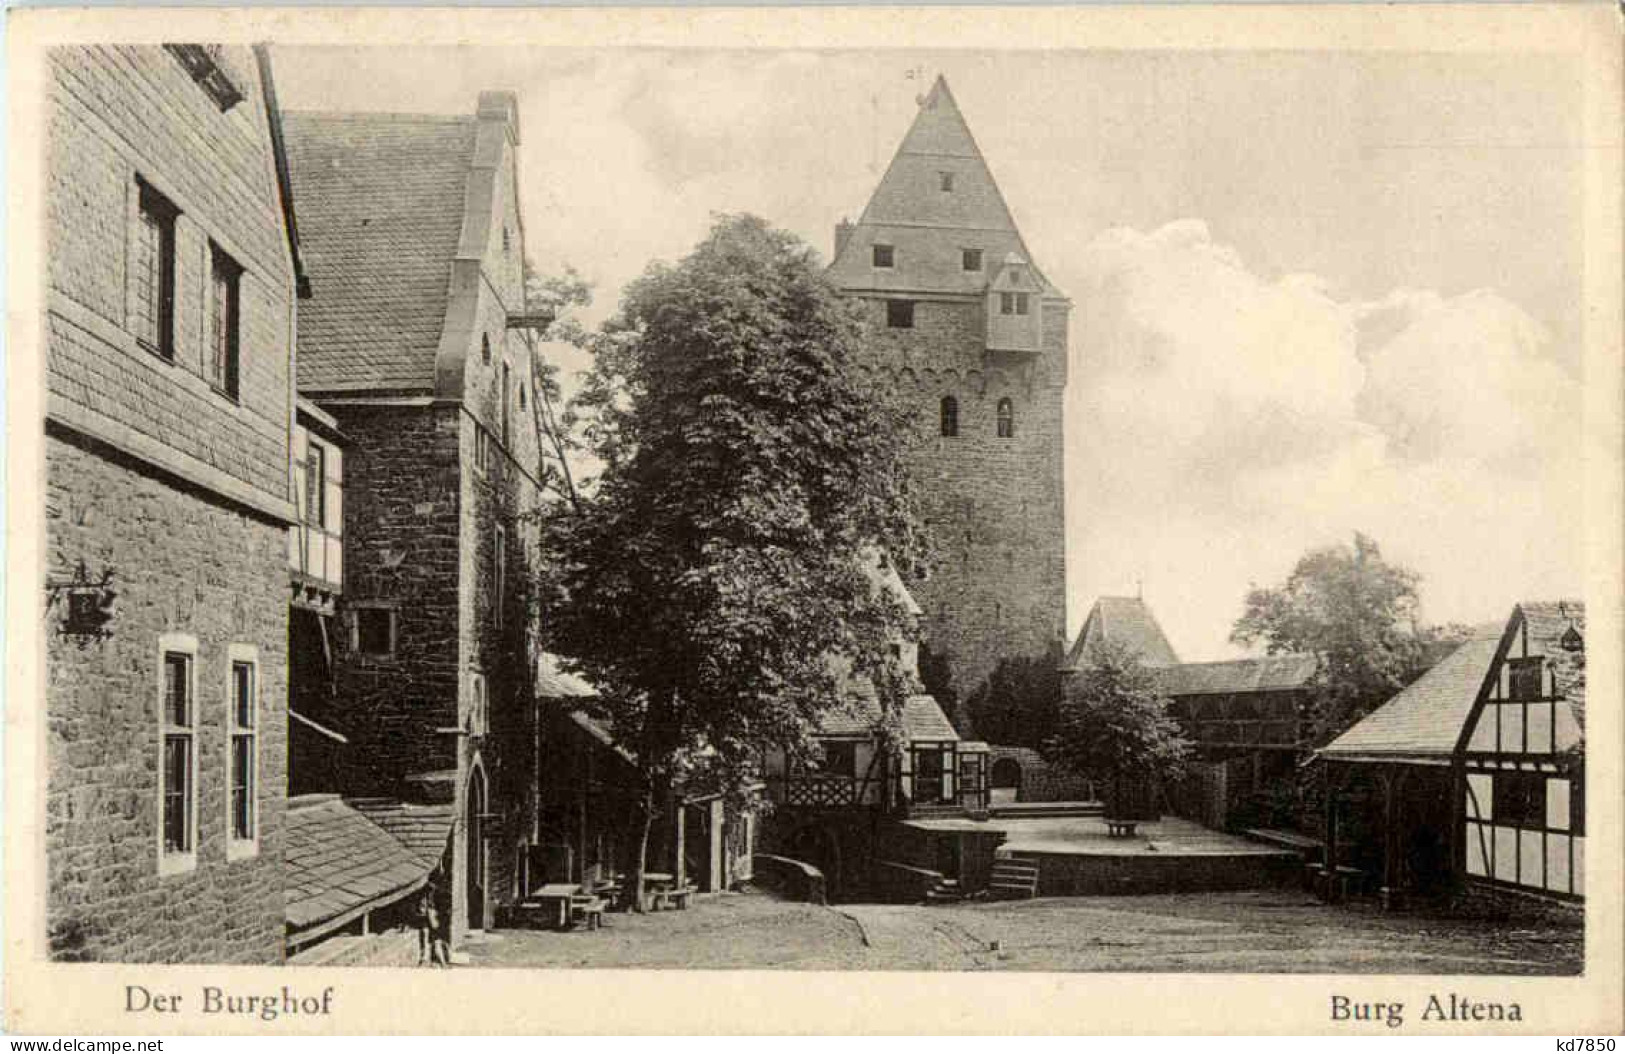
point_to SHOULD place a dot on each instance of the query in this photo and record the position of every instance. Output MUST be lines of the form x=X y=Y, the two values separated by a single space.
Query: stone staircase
x=944 y=891
x=1013 y=879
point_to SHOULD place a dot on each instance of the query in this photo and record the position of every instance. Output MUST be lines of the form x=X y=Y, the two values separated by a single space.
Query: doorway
x=476 y=850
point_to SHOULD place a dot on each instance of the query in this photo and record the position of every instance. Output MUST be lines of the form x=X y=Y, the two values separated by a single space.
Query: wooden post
x=679 y=823
x=1390 y=840
x=1328 y=866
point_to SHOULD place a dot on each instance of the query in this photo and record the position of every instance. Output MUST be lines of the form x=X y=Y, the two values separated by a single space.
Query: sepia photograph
x=886 y=507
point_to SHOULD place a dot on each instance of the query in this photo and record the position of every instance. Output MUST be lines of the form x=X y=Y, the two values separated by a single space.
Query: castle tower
x=963 y=318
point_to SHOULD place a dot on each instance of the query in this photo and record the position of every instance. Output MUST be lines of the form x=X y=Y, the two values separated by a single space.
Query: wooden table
x=556 y=896
x=654 y=882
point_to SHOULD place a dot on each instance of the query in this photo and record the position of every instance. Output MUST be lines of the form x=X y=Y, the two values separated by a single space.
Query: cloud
x=1221 y=422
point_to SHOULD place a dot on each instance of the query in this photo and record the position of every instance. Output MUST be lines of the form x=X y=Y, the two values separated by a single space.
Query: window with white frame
x=177 y=769
x=242 y=759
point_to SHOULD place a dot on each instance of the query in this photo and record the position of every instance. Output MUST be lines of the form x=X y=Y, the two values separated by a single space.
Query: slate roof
x=1425 y=718
x=1547 y=622
x=338 y=862
x=425 y=829
x=1127 y=620
x=381 y=201
x=927 y=226
x=1269 y=673
x=923 y=719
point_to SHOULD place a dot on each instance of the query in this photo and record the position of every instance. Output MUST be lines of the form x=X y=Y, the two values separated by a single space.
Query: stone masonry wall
x=182 y=564
x=995 y=506
x=401 y=533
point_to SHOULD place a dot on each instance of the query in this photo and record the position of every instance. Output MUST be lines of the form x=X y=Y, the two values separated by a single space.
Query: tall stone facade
x=169 y=331
x=417 y=362
x=965 y=324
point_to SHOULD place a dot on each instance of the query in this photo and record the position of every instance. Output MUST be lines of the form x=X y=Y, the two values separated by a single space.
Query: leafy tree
x=1356 y=613
x=1019 y=703
x=554 y=298
x=1114 y=722
x=725 y=553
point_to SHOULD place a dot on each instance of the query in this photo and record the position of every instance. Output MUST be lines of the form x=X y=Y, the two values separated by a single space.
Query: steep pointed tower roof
x=936 y=200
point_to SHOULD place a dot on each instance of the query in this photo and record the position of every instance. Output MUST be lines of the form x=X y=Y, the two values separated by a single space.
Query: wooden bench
x=673 y=898
x=589 y=910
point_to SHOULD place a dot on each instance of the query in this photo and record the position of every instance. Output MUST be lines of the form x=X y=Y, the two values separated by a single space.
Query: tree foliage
x=1357 y=614
x=749 y=472
x=1019 y=703
x=1115 y=722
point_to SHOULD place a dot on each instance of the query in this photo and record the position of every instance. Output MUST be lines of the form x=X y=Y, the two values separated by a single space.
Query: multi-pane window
x=1014 y=303
x=224 y=279
x=1006 y=419
x=950 y=416
x=316 y=485
x=1524 y=678
x=841 y=759
x=900 y=314
x=970 y=259
x=1519 y=799
x=153 y=261
x=885 y=256
x=179 y=754
x=244 y=728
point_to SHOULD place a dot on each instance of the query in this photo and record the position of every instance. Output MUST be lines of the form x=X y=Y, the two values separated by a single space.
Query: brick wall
x=182 y=564
x=995 y=505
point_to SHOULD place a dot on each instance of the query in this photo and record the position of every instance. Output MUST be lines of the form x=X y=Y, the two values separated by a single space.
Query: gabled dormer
x=1014 y=306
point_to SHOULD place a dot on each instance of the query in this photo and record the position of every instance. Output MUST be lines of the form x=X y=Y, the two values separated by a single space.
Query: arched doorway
x=476 y=849
x=1005 y=780
x=817 y=846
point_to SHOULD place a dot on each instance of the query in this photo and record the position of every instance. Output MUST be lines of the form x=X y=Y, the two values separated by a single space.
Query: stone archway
x=1005 y=781
x=817 y=845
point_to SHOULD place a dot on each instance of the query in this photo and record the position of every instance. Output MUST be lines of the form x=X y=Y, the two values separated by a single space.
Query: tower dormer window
x=1006 y=419
x=945 y=182
x=885 y=256
x=1014 y=304
x=970 y=259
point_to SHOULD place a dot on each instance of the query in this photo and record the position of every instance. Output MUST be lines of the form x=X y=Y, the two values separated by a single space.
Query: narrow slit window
x=950 y=416
x=945 y=182
x=1006 y=418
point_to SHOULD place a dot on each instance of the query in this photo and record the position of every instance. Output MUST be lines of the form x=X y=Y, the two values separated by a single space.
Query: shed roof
x=338 y=863
x=424 y=828
x=1269 y=673
x=381 y=202
x=1126 y=620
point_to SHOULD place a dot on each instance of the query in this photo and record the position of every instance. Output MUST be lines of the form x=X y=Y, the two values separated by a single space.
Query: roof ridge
x=381 y=115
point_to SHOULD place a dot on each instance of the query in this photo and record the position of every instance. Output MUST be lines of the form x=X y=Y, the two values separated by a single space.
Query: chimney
x=843 y=234
x=500 y=106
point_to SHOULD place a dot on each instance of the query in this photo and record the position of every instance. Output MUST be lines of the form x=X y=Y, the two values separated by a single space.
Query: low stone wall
x=1040 y=780
x=1079 y=875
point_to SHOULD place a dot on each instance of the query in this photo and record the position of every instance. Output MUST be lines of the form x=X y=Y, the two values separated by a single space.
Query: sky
x=1312 y=293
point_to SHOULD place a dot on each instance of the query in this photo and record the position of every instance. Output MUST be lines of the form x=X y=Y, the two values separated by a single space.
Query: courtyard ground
x=1269 y=931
